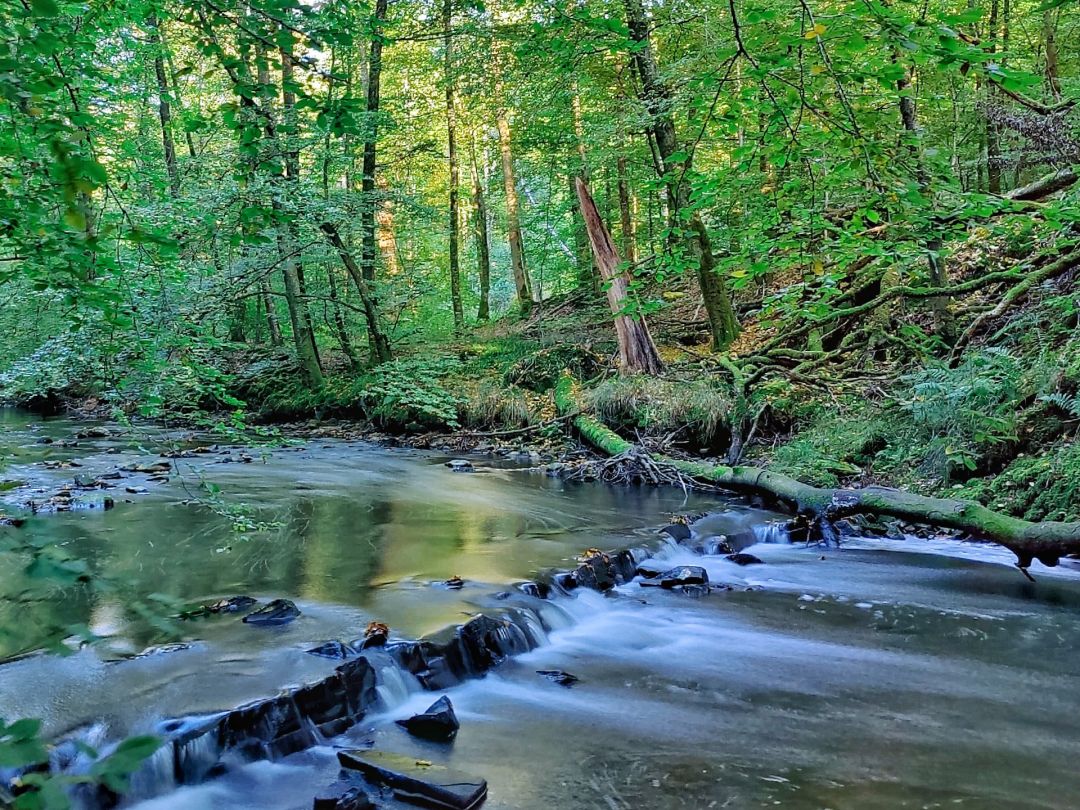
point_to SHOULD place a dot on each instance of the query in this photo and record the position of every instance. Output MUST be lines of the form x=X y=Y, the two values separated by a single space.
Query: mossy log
x=1046 y=541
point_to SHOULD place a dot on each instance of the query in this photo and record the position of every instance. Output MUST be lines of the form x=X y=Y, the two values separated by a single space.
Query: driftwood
x=1047 y=541
x=637 y=352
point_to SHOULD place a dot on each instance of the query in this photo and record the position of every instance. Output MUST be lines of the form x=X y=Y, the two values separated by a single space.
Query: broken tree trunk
x=1047 y=541
x=637 y=352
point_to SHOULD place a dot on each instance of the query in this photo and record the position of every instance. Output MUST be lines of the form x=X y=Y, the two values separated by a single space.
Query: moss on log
x=1046 y=541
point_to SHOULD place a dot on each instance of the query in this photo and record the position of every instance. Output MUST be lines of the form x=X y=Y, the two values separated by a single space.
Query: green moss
x=1045 y=486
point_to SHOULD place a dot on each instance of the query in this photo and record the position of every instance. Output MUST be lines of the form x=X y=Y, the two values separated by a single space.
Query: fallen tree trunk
x=1047 y=541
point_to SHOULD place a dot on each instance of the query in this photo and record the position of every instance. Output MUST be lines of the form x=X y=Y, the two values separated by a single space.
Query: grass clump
x=698 y=412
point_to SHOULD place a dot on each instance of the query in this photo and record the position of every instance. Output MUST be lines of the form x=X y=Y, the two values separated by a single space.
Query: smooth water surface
x=916 y=674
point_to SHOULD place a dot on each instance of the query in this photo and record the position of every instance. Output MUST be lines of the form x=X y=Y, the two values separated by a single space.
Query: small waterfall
x=195 y=747
x=773 y=531
x=393 y=683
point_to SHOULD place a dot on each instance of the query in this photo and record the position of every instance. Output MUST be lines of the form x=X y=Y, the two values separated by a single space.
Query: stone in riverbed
x=417 y=781
x=333 y=649
x=683 y=575
x=278 y=612
x=559 y=677
x=460 y=465
x=343 y=796
x=438 y=723
x=679 y=532
x=234 y=604
x=742 y=558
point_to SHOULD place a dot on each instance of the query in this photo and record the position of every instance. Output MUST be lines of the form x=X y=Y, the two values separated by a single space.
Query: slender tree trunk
x=339 y=323
x=455 y=171
x=522 y=287
x=380 y=345
x=367 y=183
x=588 y=273
x=272 y=325
x=288 y=236
x=386 y=235
x=637 y=352
x=164 y=109
x=945 y=323
x=1050 y=44
x=993 y=130
x=626 y=214
x=483 y=252
x=656 y=96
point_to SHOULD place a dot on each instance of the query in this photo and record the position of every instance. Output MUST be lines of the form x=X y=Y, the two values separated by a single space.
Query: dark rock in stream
x=460 y=465
x=559 y=677
x=275 y=614
x=438 y=723
x=679 y=532
x=683 y=575
x=417 y=781
x=455 y=583
x=275 y=727
x=338 y=650
x=742 y=558
x=343 y=795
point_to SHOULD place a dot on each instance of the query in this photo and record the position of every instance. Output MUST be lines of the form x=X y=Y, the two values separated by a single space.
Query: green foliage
x=23 y=749
x=967 y=411
x=411 y=392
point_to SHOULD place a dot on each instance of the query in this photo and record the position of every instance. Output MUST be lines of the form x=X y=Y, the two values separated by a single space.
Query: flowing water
x=879 y=675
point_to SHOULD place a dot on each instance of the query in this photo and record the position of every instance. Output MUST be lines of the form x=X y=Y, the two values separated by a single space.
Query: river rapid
x=883 y=674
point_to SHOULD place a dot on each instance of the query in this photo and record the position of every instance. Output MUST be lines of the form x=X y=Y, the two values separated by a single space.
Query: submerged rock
x=742 y=558
x=438 y=723
x=233 y=604
x=460 y=465
x=417 y=781
x=343 y=796
x=278 y=612
x=338 y=650
x=559 y=677
x=675 y=577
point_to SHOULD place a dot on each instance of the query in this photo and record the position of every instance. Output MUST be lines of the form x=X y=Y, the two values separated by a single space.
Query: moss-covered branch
x=1046 y=541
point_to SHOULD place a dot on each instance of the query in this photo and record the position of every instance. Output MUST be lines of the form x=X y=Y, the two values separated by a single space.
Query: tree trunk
x=1050 y=44
x=656 y=96
x=272 y=325
x=339 y=323
x=368 y=168
x=626 y=215
x=637 y=352
x=483 y=251
x=588 y=272
x=993 y=131
x=386 y=235
x=1046 y=542
x=944 y=321
x=164 y=109
x=380 y=345
x=288 y=236
x=455 y=172
x=522 y=286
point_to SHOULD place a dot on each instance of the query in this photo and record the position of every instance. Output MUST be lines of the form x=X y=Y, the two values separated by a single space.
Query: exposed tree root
x=1046 y=541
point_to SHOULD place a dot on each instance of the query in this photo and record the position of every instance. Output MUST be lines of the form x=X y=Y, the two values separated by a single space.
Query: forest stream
x=905 y=673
